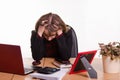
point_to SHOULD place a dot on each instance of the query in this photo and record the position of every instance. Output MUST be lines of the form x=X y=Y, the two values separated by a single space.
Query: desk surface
x=97 y=64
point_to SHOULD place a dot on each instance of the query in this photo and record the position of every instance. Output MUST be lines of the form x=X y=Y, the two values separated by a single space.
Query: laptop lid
x=11 y=59
x=78 y=65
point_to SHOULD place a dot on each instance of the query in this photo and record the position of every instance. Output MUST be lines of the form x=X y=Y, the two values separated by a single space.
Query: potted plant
x=110 y=56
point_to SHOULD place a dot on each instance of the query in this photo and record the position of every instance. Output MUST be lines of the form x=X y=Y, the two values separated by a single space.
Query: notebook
x=78 y=65
x=11 y=60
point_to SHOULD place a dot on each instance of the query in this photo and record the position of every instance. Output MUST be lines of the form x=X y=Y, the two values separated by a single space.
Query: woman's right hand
x=41 y=28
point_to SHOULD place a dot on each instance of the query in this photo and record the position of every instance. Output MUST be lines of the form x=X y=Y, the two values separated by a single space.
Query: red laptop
x=11 y=60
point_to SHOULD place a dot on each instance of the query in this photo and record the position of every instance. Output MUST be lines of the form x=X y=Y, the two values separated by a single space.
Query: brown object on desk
x=97 y=64
x=62 y=65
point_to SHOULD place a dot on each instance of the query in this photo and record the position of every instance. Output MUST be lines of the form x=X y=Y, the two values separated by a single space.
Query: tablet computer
x=78 y=65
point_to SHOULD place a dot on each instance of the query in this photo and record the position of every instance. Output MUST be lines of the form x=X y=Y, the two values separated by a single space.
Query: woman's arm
x=65 y=45
x=37 y=46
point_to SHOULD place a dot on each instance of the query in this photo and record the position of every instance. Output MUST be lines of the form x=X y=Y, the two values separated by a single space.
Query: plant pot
x=110 y=66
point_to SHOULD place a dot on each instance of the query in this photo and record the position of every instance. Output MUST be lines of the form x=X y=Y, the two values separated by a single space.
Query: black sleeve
x=37 y=46
x=65 y=42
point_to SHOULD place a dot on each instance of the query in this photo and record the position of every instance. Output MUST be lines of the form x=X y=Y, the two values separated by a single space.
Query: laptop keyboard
x=28 y=70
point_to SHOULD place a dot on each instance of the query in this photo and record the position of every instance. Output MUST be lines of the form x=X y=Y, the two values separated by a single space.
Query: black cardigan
x=67 y=46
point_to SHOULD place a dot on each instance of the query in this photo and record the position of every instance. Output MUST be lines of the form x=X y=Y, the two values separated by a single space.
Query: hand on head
x=44 y=31
x=51 y=22
x=59 y=32
x=41 y=28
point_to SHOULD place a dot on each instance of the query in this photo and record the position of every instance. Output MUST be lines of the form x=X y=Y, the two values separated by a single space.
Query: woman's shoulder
x=33 y=32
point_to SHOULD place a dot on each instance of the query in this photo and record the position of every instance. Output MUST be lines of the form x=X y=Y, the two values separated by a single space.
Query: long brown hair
x=54 y=22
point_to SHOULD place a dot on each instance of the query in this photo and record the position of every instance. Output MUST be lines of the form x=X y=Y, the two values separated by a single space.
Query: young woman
x=53 y=38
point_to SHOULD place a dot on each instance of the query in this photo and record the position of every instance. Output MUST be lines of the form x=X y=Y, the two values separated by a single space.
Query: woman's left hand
x=59 y=32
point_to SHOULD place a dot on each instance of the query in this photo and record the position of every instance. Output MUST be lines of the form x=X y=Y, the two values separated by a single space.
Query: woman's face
x=49 y=35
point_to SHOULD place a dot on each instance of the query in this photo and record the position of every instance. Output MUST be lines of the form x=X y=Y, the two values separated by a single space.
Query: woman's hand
x=59 y=32
x=41 y=28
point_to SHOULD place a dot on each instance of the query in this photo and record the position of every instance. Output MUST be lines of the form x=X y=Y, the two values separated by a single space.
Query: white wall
x=93 y=20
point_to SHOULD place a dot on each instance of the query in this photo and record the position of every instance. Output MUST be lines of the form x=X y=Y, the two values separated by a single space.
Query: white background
x=94 y=21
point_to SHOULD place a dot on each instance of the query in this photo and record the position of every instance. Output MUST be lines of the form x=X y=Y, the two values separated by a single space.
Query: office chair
x=74 y=52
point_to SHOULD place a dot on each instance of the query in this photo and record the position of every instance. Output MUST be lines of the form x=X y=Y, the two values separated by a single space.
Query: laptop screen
x=11 y=59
